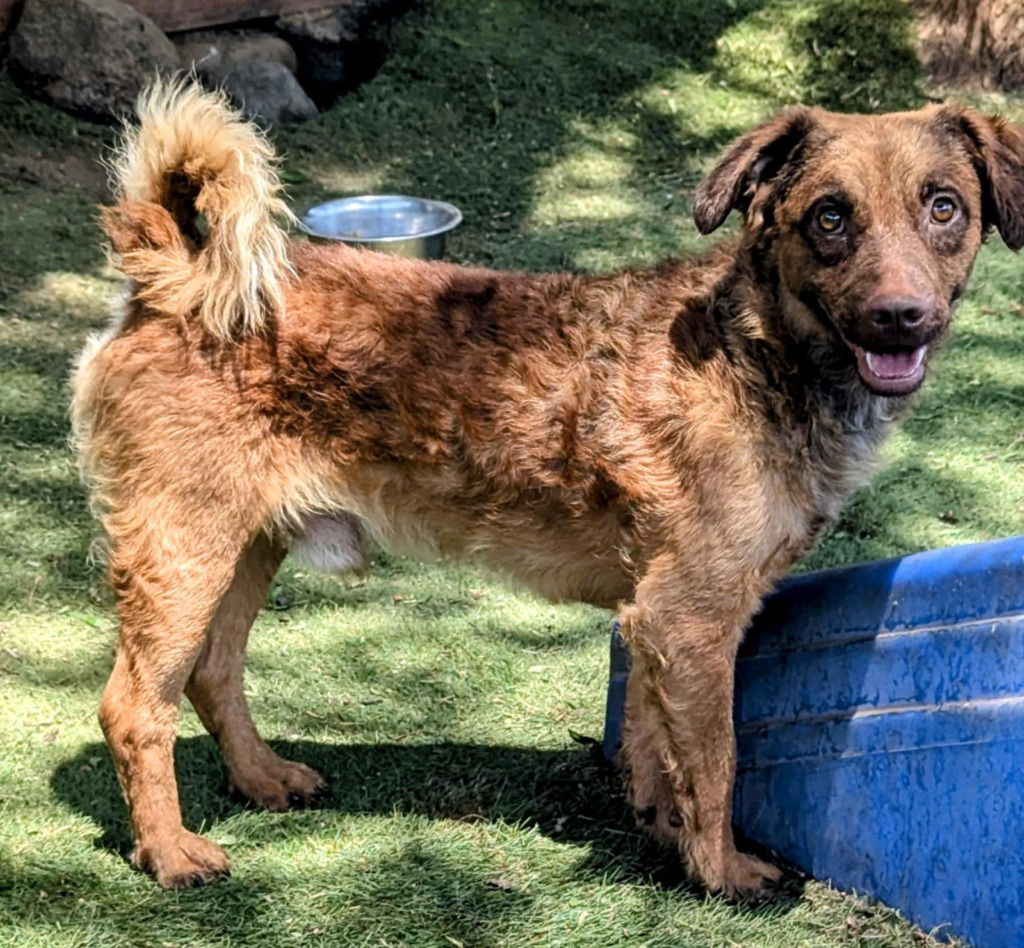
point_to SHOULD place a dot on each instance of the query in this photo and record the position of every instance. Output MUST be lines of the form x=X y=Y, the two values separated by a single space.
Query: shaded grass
x=849 y=55
x=438 y=703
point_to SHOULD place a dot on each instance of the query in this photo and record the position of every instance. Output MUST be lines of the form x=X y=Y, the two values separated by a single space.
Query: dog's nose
x=897 y=313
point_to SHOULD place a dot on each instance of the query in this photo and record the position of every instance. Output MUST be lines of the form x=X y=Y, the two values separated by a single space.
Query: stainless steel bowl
x=392 y=223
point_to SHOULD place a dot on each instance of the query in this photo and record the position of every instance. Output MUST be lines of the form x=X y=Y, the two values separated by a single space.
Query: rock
x=211 y=50
x=267 y=92
x=256 y=69
x=90 y=57
x=334 y=49
x=328 y=27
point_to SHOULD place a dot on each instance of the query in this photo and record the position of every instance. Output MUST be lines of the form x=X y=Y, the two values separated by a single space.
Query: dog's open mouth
x=891 y=373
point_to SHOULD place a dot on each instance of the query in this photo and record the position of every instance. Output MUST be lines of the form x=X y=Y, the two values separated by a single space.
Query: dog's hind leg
x=215 y=690
x=170 y=570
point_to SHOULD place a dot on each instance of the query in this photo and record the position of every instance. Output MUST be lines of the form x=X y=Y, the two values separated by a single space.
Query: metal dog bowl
x=392 y=223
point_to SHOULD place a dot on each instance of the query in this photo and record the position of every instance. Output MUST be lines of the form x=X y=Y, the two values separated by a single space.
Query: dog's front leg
x=678 y=744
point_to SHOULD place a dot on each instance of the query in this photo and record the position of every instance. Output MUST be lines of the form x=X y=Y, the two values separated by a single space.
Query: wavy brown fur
x=667 y=441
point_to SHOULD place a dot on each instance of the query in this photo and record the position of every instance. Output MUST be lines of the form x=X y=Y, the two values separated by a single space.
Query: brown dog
x=668 y=440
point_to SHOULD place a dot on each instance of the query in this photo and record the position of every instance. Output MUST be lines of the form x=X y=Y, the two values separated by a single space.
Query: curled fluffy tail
x=194 y=225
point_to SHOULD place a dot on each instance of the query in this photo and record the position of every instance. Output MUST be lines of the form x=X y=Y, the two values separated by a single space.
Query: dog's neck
x=788 y=360
x=822 y=426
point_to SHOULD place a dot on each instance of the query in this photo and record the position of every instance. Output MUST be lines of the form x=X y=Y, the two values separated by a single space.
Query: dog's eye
x=943 y=209
x=830 y=220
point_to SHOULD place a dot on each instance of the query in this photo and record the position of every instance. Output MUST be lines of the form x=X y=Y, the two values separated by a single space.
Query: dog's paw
x=660 y=820
x=183 y=861
x=746 y=878
x=282 y=785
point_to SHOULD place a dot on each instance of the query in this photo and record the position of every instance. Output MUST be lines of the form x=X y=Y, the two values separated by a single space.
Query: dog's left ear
x=751 y=160
x=997 y=149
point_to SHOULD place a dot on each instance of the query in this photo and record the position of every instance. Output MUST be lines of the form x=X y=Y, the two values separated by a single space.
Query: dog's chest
x=811 y=481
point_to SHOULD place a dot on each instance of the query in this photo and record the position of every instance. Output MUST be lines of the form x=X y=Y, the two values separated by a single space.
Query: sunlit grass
x=437 y=702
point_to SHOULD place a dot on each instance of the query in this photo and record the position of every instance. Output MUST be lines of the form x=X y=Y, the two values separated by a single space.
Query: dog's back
x=452 y=411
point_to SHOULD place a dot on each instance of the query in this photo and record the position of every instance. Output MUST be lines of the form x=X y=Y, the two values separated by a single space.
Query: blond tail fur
x=194 y=157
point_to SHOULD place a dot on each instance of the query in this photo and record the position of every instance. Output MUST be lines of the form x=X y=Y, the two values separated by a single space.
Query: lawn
x=441 y=705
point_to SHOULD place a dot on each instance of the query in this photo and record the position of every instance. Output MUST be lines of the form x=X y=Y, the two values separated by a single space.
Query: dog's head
x=870 y=224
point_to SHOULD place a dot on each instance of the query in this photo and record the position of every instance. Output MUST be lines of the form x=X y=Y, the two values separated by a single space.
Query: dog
x=665 y=441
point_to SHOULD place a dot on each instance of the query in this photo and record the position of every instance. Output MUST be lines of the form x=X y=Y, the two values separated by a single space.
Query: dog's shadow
x=570 y=795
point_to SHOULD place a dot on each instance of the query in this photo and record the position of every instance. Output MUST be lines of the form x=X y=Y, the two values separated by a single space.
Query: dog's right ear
x=749 y=161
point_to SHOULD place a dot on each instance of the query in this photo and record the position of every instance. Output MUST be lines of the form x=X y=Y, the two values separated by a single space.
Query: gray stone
x=256 y=69
x=212 y=50
x=91 y=57
x=340 y=25
x=335 y=48
x=267 y=92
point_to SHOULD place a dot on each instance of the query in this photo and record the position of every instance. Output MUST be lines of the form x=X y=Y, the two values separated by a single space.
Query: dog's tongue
x=894 y=365
x=891 y=373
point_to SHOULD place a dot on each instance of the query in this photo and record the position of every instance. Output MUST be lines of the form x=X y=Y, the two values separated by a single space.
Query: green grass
x=438 y=703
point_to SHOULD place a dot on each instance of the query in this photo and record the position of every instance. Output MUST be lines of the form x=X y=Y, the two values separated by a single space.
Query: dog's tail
x=194 y=225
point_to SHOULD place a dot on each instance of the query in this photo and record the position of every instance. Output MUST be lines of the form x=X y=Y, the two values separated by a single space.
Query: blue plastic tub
x=880 y=726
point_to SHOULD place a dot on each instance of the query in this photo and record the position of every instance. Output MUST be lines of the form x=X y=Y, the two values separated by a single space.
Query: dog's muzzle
x=892 y=344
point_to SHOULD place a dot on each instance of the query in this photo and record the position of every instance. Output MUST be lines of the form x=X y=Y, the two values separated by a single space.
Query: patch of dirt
x=30 y=165
x=978 y=42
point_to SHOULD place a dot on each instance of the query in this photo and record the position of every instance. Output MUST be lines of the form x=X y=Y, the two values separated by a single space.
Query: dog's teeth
x=895 y=365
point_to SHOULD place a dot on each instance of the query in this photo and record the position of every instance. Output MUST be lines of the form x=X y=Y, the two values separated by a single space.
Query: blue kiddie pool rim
x=880 y=733
x=970 y=583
